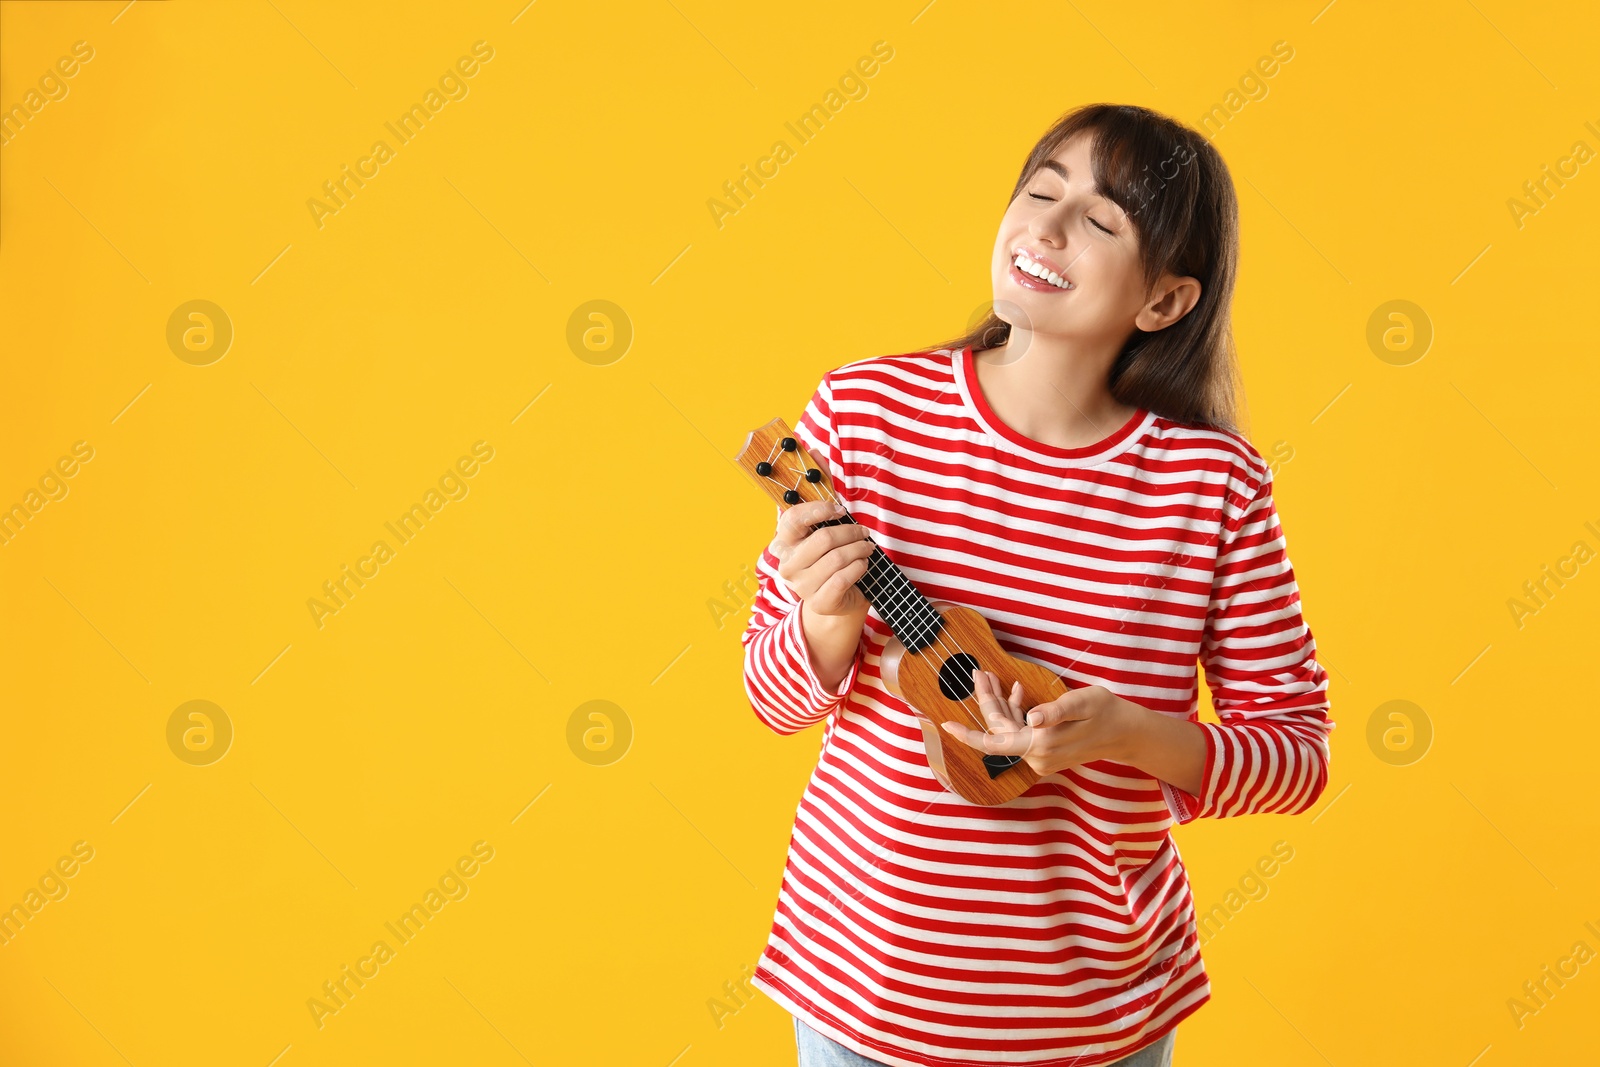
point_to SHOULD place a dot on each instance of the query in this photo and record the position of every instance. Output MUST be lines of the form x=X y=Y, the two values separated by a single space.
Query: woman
x=1072 y=470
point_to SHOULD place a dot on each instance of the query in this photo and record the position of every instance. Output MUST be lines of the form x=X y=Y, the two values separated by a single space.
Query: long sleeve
x=779 y=678
x=1269 y=753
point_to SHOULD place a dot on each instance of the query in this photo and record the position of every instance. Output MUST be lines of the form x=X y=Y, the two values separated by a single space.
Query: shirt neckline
x=972 y=394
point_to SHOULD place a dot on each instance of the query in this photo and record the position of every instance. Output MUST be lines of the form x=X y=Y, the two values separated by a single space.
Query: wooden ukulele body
x=928 y=679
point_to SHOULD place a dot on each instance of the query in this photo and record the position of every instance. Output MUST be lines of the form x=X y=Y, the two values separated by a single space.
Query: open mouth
x=1031 y=274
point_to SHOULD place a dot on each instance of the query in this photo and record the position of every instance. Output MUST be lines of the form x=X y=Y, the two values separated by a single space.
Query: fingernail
x=1033 y=718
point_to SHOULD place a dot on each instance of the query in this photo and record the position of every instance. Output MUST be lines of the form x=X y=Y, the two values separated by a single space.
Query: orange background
x=636 y=856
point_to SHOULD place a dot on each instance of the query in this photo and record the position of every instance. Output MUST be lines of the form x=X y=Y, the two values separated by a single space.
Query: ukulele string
x=939 y=633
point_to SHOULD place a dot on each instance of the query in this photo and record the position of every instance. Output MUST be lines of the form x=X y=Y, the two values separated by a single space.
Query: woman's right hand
x=823 y=565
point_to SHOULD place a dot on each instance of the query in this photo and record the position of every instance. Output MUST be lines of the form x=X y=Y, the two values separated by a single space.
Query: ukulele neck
x=898 y=603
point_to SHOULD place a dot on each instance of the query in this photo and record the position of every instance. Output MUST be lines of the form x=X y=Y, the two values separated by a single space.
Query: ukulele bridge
x=997 y=765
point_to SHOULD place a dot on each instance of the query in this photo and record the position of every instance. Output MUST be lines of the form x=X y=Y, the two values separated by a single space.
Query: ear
x=1173 y=298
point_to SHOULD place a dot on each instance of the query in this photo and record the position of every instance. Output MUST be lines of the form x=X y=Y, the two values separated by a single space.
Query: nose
x=1049 y=227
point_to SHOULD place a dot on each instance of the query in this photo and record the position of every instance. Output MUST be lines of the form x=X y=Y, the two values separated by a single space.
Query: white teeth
x=1028 y=266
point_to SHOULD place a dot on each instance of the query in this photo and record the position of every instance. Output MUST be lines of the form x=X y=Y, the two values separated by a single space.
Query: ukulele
x=928 y=663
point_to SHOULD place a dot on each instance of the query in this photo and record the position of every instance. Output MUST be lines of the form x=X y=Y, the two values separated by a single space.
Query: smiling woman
x=1071 y=471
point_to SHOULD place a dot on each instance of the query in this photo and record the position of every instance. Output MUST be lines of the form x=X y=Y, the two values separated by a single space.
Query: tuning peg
x=764 y=468
x=789 y=444
x=813 y=475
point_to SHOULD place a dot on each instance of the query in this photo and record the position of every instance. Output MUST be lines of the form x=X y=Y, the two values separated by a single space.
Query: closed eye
x=1051 y=200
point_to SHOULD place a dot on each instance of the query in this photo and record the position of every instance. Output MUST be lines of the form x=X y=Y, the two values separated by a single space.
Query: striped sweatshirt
x=1058 y=929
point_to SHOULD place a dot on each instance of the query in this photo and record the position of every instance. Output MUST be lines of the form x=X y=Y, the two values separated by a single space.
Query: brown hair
x=1187 y=223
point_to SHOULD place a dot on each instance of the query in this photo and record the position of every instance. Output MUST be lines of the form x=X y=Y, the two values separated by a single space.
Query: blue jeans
x=817 y=1050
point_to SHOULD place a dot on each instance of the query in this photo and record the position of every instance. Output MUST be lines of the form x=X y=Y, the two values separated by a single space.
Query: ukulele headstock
x=780 y=464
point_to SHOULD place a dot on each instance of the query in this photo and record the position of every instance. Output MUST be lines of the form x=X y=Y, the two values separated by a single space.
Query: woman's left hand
x=1080 y=726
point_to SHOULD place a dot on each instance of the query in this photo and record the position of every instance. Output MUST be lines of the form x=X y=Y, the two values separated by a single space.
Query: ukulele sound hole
x=955 y=682
x=955 y=677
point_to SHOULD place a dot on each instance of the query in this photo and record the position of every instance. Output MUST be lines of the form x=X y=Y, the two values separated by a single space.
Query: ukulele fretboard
x=898 y=603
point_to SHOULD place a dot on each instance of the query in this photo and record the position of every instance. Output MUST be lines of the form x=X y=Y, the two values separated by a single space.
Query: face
x=1065 y=228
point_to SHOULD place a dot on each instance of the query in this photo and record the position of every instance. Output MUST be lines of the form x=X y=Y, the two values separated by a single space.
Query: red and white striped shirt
x=920 y=929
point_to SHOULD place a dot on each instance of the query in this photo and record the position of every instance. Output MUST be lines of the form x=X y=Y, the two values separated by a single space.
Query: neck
x=1052 y=389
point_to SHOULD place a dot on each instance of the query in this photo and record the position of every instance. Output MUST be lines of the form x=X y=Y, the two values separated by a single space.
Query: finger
x=1014 y=703
x=998 y=720
x=985 y=690
x=997 y=705
x=1064 y=708
x=851 y=550
x=794 y=525
x=841 y=580
x=829 y=547
x=989 y=689
x=995 y=744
